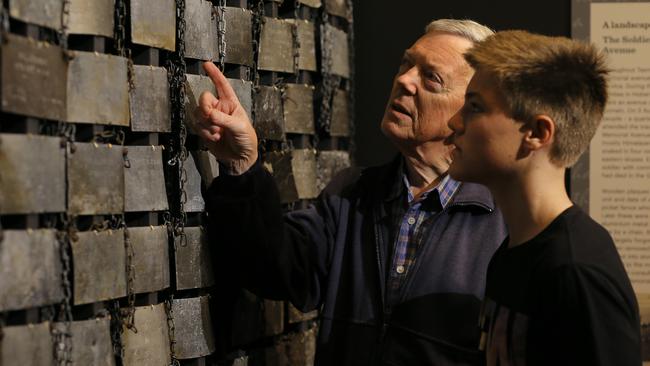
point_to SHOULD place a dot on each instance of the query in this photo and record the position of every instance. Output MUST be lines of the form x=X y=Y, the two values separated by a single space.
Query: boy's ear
x=539 y=132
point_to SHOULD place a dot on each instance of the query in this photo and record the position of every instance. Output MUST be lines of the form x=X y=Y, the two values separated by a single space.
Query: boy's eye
x=472 y=107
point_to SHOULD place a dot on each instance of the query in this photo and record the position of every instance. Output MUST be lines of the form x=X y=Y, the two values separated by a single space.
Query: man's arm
x=274 y=256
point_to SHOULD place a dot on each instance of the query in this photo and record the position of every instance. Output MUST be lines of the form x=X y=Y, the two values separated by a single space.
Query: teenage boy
x=557 y=292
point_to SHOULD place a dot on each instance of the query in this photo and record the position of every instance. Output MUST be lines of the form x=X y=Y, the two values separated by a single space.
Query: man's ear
x=539 y=132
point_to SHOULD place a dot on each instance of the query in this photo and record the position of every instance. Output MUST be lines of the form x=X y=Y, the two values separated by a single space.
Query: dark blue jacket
x=333 y=256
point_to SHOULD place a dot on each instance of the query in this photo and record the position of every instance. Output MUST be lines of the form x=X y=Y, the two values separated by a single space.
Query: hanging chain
x=169 y=310
x=128 y=314
x=258 y=20
x=296 y=40
x=176 y=74
x=63 y=32
x=221 y=32
x=117 y=330
x=63 y=338
x=328 y=84
x=120 y=40
x=351 y=81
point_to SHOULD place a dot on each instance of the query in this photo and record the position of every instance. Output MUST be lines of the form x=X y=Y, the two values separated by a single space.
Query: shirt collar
x=444 y=191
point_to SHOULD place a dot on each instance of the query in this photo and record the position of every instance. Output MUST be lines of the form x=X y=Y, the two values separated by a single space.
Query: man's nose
x=408 y=80
x=456 y=122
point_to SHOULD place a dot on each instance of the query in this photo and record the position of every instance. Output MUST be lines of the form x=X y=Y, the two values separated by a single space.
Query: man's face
x=487 y=139
x=427 y=90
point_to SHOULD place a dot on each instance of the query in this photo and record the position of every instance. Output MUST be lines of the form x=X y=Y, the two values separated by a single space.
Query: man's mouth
x=400 y=109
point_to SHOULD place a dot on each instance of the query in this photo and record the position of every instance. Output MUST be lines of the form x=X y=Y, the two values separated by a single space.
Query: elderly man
x=394 y=256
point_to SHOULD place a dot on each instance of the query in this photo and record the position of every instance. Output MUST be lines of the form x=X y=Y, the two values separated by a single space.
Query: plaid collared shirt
x=414 y=220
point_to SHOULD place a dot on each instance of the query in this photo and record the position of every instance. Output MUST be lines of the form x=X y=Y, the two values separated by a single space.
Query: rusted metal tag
x=192 y=187
x=99 y=266
x=153 y=23
x=304 y=172
x=195 y=85
x=298 y=108
x=340 y=124
x=150 y=345
x=150 y=258
x=337 y=7
x=149 y=100
x=95 y=17
x=307 y=40
x=244 y=91
x=239 y=38
x=201 y=38
x=25 y=189
x=27 y=345
x=30 y=269
x=193 y=262
x=91 y=342
x=33 y=78
x=145 y=169
x=338 y=44
x=193 y=323
x=273 y=317
x=207 y=165
x=269 y=118
x=311 y=3
x=46 y=13
x=276 y=46
x=279 y=164
x=91 y=75
x=329 y=164
x=95 y=179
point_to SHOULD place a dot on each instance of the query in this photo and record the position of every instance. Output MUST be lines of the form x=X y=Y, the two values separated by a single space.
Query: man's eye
x=433 y=77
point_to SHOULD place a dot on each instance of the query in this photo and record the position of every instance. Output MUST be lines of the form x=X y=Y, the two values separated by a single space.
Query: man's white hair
x=465 y=28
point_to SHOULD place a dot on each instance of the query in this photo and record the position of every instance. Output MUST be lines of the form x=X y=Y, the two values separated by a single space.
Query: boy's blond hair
x=555 y=76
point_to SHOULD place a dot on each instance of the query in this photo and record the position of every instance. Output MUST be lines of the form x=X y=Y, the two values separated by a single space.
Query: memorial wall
x=104 y=257
x=612 y=180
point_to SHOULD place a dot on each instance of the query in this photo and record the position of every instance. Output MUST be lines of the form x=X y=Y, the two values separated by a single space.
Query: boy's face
x=486 y=138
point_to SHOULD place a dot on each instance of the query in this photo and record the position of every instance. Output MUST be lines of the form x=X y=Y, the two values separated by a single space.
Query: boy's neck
x=531 y=202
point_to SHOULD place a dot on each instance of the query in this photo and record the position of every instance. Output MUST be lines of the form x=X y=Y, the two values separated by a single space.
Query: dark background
x=384 y=29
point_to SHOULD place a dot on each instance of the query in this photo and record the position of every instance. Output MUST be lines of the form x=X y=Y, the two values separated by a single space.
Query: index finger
x=224 y=90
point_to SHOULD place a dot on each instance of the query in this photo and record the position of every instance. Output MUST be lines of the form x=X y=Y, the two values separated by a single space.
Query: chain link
x=296 y=40
x=221 y=32
x=128 y=313
x=120 y=40
x=63 y=32
x=63 y=338
x=169 y=311
x=351 y=81
x=257 y=20
x=329 y=81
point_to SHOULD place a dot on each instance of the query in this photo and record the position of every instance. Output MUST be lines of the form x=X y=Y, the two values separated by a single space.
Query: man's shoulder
x=361 y=179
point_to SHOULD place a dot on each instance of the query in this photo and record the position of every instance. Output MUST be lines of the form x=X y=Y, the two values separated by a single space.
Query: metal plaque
x=298 y=100
x=338 y=45
x=201 y=38
x=23 y=189
x=150 y=258
x=193 y=261
x=91 y=75
x=27 y=345
x=307 y=40
x=244 y=91
x=304 y=172
x=33 y=78
x=99 y=266
x=144 y=180
x=150 y=345
x=30 y=267
x=94 y=17
x=91 y=342
x=328 y=164
x=273 y=317
x=195 y=85
x=153 y=23
x=192 y=187
x=193 y=328
x=239 y=38
x=269 y=119
x=337 y=7
x=149 y=100
x=279 y=164
x=95 y=179
x=311 y=3
x=340 y=123
x=46 y=13
x=276 y=46
x=207 y=165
